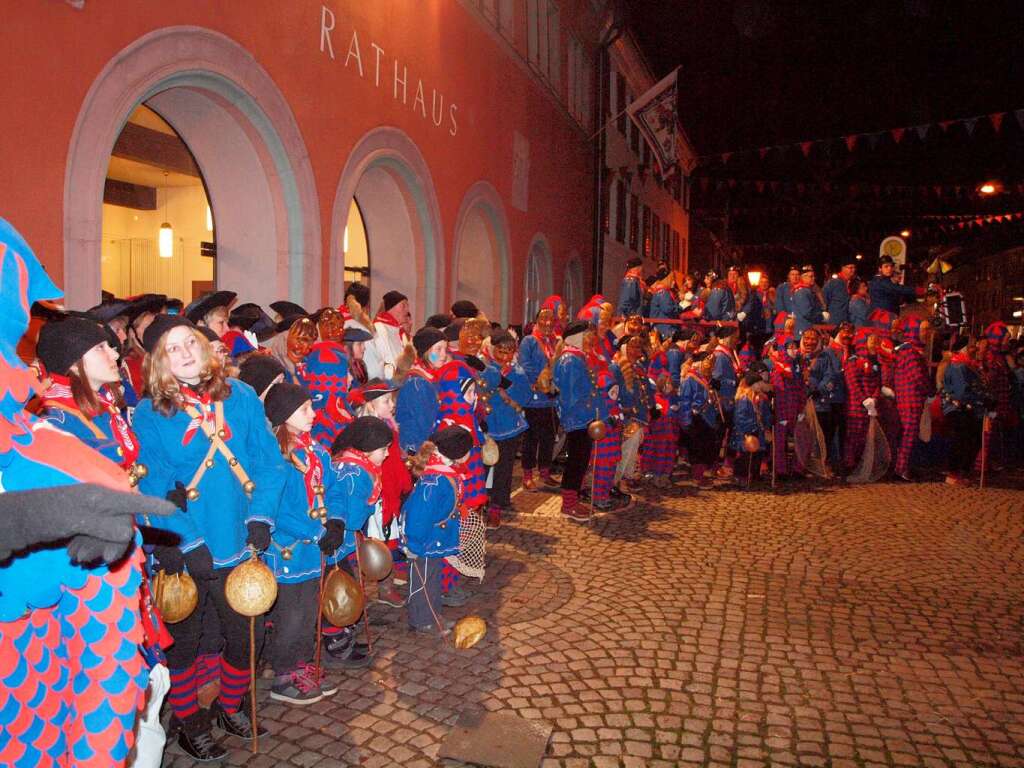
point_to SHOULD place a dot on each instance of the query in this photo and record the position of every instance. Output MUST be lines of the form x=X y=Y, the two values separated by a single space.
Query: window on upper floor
x=634 y=222
x=578 y=83
x=634 y=132
x=647 y=233
x=620 y=210
x=655 y=236
x=543 y=39
x=501 y=15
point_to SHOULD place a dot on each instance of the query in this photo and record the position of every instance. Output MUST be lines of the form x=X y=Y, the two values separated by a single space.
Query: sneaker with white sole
x=296 y=688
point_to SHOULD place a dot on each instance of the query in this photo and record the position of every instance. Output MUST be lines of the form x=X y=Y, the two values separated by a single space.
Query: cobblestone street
x=853 y=626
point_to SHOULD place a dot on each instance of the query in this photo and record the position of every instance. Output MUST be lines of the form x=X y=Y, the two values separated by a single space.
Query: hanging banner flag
x=997 y=120
x=654 y=114
x=851 y=142
x=897 y=134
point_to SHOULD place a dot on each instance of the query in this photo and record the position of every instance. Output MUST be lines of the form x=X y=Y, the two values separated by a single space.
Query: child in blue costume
x=358 y=454
x=72 y=677
x=752 y=417
x=205 y=441
x=416 y=407
x=579 y=403
x=431 y=527
x=307 y=529
x=631 y=290
x=508 y=391
x=700 y=417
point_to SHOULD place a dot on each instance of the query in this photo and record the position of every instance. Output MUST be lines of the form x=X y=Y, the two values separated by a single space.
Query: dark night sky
x=760 y=72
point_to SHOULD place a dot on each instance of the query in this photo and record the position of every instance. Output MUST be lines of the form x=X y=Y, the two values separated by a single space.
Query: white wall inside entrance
x=475 y=259
x=390 y=235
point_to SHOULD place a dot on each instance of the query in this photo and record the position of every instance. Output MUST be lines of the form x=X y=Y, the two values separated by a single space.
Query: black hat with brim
x=146 y=302
x=259 y=370
x=62 y=343
x=352 y=334
x=366 y=434
x=161 y=325
x=453 y=442
x=108 y=310
x=287 y=308
x=205 y=304
x=282 y=401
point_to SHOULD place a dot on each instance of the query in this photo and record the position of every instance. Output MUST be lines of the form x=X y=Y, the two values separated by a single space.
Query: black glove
x=200 y=563
x=612 y=422
x=259 y=535
x=178 y=496
x=482 y=423
x=171 y=559
x=475 y=362
x=98 y=521
x=387 y=526
x=655 y=412
x=334 y=536
x=505 y=383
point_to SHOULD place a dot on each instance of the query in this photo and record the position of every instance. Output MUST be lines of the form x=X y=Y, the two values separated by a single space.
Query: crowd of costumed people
x=194 y=491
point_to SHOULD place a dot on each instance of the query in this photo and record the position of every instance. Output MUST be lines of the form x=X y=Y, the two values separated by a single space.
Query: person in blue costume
x=721 y=303
x=965 y=402
x=784 y=291
x=205 y=441
x=826 y=384
x=637 y=399
x=507 y=390
x=700 y=417
x=430 y=530
x=808 y=305
x=860 y=304
x=752 y=420
x=886 y=293
x=307 y=529
x=537 y=354
x=664 y=304
x=837 y=293
x=72 y=675
x=725 y=375
x=358 y=454
x=631 y=290
x=416 y=407
x=579 y=403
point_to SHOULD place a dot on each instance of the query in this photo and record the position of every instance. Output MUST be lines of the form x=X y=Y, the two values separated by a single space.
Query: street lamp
x=859 y=256
x=754 y=278
x=905 y=233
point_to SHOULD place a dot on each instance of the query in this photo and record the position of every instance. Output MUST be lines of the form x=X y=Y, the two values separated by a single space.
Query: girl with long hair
x=205 y=441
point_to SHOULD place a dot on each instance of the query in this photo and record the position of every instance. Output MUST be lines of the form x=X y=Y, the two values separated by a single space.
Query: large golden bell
x=343 y=599
x=751 y=444
x=489 y=453
x=469 y=631
x=375 y=560
x=176 y=596
x=251 y=588
x=597 y=429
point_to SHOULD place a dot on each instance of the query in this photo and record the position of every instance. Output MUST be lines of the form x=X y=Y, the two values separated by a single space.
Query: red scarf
x=314 y=474
x=59 y=395
x=418 y=369
x=437 y=466
x=547 y=343
x=962 y=358
x=388 y=319
x=204 y=405
x=353 y=456
x=636 y=273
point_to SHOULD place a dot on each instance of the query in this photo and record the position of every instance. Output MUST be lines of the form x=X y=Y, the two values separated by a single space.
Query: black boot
x=234 y=723
x=196 y=739
x=341 y=651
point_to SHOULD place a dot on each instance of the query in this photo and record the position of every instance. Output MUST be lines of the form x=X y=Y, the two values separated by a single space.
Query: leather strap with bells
x=136 y=471
x=319 y=508
x=215 y=434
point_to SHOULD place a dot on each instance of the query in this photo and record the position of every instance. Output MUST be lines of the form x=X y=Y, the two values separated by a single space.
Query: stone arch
x=480 y=258
x=244 y=138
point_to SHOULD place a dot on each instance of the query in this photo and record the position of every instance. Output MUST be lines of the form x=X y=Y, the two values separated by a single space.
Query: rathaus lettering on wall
x=376 y=67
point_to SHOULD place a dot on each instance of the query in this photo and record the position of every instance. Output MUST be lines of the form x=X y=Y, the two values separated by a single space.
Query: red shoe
x=577 y=515
x=493 y=518
x=530 y=484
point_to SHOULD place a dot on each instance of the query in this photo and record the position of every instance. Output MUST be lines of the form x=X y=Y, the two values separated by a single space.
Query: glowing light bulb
x=166 y=241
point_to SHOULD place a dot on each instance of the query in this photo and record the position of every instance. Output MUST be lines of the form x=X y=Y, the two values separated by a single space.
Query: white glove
x=688 y=296
x=888 y=392
x=826 y=316
x=613 y=392
x=991 y=415
x=869 y=406
x=251 y=338
x=741 y=316
x=783 y=423
x=801 y=417
x=685 y=305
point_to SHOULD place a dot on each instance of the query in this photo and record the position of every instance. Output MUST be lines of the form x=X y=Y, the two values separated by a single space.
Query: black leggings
x=539 y=439
x=294 y=617
x=578 y=446
x=501 y=482
x=965 y=441
x=234 y=627
x=833 y=427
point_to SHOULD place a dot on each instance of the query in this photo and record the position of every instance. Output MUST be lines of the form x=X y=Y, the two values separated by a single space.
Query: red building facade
x=459 y=128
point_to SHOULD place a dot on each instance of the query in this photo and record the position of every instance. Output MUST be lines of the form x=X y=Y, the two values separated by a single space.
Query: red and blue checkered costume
x=607 y=451
x=912 y=386
x=863 y=380
x=787 y=382
x=658 y=452
x=325 y=377
x=72 y=677
x=454 y=410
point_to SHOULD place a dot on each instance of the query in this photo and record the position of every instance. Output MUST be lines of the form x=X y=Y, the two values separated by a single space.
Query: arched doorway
x=245 y=141
x=389 y=181
x=572 y=285
x=480 y=256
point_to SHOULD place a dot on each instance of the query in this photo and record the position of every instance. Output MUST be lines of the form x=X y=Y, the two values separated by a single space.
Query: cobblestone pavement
x=852 y=626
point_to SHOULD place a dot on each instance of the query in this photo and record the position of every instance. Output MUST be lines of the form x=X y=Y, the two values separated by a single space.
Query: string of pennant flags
x=853 y=140
x=801 y=188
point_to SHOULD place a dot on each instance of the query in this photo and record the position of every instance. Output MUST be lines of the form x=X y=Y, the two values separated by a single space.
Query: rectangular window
x=634 y=223
x=506 y=18
x=578 y=82
x=634 y=134
x=647 y=233
x=646 y=154
x=620 y=211
x=666 y=242
x=543 y=39
x=677 y=264
x=606 y=195
x=655 y=236
x=620 y=104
